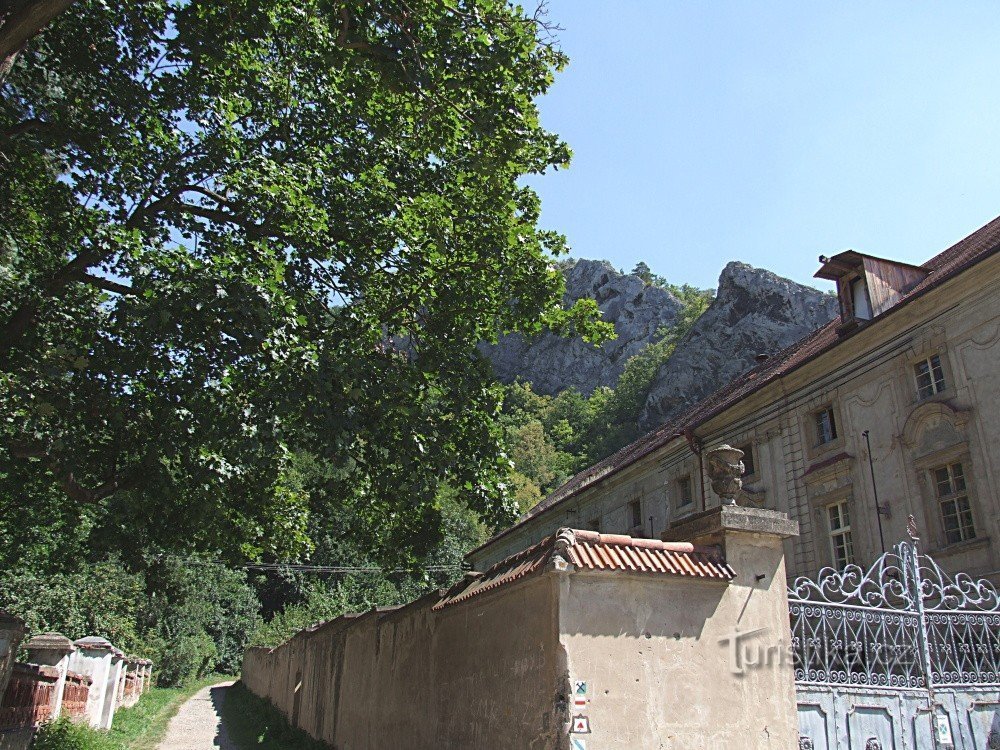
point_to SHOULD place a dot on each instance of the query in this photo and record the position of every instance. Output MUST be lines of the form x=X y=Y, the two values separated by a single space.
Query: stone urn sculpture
x=725 y=467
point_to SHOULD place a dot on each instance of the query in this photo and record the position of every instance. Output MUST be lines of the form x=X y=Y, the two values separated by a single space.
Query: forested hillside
x=552 y=436
x=712 y=337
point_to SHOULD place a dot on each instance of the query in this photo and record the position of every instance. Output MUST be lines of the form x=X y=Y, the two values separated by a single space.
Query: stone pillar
x=123 y=679
x=115 y=678
x=756 y=609
x=93 y=658
x=52 y=650
x=11 y=632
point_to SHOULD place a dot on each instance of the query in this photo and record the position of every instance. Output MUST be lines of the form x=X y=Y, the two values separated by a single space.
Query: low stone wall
x=74 y=699
x=30 y=696
x=84 y=681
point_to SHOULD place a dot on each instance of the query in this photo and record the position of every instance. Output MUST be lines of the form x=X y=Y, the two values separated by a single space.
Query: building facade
x=889 y=411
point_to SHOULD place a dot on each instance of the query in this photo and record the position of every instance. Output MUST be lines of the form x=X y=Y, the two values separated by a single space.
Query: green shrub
x=65 y=735
x=198 y=619
x=101 y=599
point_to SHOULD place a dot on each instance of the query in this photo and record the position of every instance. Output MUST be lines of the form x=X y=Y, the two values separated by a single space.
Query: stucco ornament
x=725 y=467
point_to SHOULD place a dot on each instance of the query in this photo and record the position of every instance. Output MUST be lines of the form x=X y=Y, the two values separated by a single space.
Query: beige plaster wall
x=488 y=672
x=656 y=655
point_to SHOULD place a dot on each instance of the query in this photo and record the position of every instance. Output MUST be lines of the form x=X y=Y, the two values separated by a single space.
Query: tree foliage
x=236 y=232
x=190 y=617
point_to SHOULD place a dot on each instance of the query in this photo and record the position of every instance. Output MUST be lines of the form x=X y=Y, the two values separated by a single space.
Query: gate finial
x=911 y=529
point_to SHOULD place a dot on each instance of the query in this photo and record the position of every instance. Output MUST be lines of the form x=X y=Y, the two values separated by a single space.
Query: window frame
x=843 y=531
x=818 y=443
x=635 y=507
x=859 y=283
x=747 y=449
x=935 y=389
x=967 y=529
x=682 y=481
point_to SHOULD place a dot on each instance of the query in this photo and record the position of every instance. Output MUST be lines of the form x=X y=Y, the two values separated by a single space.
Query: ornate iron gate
x=901 y=655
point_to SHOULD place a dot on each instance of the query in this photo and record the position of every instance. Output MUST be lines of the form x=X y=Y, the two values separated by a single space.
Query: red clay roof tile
x=590 y=550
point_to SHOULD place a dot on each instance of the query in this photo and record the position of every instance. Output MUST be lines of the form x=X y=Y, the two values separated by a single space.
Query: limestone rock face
x=553 y=363
x=754 y=312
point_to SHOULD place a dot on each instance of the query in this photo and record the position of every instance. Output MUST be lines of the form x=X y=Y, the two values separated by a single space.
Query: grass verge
x=254 y=724
x=140 y=727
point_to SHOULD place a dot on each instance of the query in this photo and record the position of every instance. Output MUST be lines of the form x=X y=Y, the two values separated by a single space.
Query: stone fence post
x=93 y=658
x=52 y=650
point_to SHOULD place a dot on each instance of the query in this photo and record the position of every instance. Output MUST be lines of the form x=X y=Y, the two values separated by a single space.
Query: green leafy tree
x=643 y=271
x=233 y=232
x=102 y=599
x=198 y=617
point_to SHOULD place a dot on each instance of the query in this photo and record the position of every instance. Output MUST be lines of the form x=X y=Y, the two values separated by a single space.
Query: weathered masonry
x=85 y=681
x=583 y=640
x=890 y=410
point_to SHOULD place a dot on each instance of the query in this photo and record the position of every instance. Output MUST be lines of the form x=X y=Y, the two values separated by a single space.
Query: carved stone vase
x=725 y=467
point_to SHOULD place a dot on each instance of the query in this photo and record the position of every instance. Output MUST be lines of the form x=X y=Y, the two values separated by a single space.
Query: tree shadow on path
x=222 y=740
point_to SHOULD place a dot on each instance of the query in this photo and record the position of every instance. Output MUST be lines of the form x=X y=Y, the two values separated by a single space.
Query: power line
x=303 y=568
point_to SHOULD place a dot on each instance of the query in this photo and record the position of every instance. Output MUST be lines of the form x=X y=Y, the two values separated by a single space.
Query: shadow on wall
x=680 y=610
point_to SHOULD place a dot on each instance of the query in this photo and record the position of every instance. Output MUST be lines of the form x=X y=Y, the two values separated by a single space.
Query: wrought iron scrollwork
x=882 y=586
x=902 y=623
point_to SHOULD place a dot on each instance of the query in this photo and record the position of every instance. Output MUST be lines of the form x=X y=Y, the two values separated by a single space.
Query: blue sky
x=772 y=132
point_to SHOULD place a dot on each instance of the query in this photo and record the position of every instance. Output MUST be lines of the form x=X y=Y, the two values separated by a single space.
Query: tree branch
x=25 y=126
x=67 y=480
x=24 y=22
x=23 y=317
x=106 y=284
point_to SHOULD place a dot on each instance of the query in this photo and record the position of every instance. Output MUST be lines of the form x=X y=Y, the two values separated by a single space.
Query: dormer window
x=867 y=286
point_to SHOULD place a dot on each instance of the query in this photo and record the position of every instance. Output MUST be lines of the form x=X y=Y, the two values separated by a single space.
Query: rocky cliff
x=754 y=312
x=553 y=363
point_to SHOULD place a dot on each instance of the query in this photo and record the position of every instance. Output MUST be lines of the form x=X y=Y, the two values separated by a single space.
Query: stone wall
x=498 y=660
x=413 y=677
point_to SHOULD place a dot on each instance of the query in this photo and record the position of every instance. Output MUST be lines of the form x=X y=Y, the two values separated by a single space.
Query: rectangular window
x=953 y=498
x=826 y=426
x=685 y=496
x=748 y=466
x=930 y=376
x=841 y=541
x=635 y=513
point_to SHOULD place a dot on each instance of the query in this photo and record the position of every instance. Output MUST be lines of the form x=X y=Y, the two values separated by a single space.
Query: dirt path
x=198 y=724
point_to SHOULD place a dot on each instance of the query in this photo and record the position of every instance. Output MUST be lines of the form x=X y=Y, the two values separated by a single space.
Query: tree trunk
x=19 y=21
